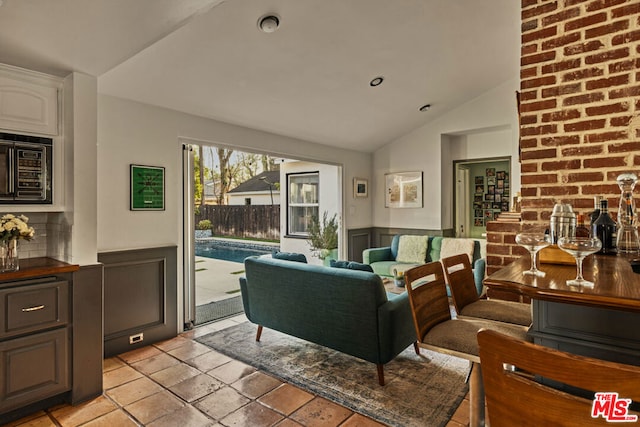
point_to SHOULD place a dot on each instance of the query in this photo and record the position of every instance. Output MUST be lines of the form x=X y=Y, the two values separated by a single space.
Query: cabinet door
x=33 y=368
x=28 y=107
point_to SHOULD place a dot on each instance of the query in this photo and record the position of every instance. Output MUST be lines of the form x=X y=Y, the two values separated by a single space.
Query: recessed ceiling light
x=376 y=82
x=269 y=23
x=425 y=107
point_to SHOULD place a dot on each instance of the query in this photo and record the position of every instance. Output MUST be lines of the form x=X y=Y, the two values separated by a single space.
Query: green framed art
x=147 y=188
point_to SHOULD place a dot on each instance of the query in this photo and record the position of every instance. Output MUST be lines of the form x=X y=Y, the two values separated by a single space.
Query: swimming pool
x=231 y=250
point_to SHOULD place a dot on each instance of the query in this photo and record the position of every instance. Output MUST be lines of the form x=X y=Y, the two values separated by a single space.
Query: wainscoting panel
x=140 y=297
x=359 y=240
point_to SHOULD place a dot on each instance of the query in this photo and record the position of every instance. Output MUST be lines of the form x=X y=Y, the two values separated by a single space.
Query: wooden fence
x=246 y=221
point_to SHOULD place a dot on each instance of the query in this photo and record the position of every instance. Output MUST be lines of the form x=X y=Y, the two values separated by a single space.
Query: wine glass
x=533 y=242
x=580 y=247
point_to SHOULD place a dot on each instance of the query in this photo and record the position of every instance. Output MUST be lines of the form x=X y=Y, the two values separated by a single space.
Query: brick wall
x=579 y=110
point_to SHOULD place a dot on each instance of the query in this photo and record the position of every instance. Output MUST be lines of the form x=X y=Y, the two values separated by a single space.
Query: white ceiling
x=309 y=79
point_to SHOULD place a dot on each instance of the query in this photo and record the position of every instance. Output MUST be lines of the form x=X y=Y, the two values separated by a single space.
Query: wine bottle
x=604 y=228
x=581 y=229
x=596 y=210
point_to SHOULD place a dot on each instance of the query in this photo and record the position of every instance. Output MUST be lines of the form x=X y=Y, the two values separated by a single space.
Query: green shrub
x=205 y=224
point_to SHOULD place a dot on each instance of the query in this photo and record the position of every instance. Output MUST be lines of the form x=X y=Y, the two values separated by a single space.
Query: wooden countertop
x=35 y=267
x=616 y=285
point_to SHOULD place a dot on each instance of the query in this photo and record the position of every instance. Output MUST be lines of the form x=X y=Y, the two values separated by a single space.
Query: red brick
x=538 y=130
x=563 y=190
x=624 y=147
x=609 y=82
x=503 y=227
x=619 y=107
x=528 y=143
x=528 y=49
x=626 y=38
x=528 y=95
x=528 y=3
x=537 y=106
x=538 y=82
x=591 y=150
x=559 y=116
x=581 y=74
x=528 y=192
x=529 y=26
x=564 y=15
x=602 y=4
x=550 y=178
x=604 y=162
x=561 y=165
x=529 y=216
x=599 y=189
x=621 y=121
x=614 y=27
x=627 y=92
x=585 y=125
x=540 y=10
x=585 y=177
x=559 y=140
x=587 y=21
x=498 y=249
x=605 y=137
x=608 y=55
x=561 y=66
x=622 y=66
x=537 y=58
x=561 y=90
x=583 y=99
x=528 y=73
x=631 y=9
x=529 y=167
x=528 y=120
x=636 y=160
x=541 y=34
x=581 y=48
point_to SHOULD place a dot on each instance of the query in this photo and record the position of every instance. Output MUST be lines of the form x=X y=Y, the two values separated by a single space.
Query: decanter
x=627 y=240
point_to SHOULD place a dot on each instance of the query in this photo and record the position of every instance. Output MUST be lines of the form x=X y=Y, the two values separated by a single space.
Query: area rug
x=420 y=390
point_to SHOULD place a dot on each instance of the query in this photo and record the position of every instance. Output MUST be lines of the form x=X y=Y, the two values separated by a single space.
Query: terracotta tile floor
x=183 y=383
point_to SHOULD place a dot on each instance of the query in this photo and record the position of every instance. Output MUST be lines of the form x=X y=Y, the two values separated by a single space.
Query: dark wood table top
x=616 y=285
x=35 y=267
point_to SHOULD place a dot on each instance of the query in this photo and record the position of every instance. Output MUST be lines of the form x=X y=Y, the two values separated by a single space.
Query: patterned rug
x=420 y=390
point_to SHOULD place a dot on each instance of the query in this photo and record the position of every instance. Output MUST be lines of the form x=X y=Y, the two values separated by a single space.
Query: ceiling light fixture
x=376 y=82
x=425 y=107
x=269 y=23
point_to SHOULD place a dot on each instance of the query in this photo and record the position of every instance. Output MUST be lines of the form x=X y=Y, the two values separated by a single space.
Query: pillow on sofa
x=351 y=265
x=289 y=256
x=455 y=246
x=412 y=249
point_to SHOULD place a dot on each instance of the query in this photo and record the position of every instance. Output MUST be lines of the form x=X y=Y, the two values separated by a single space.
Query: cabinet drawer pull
x=34 y=308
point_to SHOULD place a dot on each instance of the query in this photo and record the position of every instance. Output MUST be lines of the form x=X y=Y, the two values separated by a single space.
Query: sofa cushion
x=338 y=264
x=289 y=256
x=412 y=249
x=455 y=246
x=351 y=265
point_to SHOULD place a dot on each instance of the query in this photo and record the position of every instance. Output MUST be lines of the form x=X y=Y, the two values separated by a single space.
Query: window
x=303 y=202
x=247 y=201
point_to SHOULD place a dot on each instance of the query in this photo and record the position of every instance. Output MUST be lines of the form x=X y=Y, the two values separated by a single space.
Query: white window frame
x=291 y=205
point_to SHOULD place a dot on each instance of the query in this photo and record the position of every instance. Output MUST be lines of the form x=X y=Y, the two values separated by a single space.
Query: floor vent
x=218 y=310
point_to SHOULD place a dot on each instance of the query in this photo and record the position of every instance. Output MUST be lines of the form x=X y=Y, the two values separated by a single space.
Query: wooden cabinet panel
x=33 y=367
x=28 y=107
x=34 y=307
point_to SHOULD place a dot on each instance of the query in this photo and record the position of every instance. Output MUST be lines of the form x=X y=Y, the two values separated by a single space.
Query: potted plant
x=204 y=229
x=323 y=236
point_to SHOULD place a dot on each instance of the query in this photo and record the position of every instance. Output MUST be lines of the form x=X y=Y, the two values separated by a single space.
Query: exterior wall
x=580 y=109
x=257 y=198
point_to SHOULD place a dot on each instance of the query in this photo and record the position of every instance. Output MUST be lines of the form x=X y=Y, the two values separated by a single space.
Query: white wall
x=330 y=200
x=428 y=149
x=257 y=198
x=130 y=132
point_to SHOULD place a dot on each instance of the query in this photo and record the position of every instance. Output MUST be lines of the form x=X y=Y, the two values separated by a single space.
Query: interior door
x=463 y=212
x=188 y=256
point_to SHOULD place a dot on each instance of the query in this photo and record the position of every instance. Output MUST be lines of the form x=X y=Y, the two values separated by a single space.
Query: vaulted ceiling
x=309 y=79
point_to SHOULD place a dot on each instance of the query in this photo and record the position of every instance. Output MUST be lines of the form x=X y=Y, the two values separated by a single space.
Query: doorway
x=483 y=190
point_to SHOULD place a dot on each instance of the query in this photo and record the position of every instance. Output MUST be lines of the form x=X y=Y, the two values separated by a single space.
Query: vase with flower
x=12 y=229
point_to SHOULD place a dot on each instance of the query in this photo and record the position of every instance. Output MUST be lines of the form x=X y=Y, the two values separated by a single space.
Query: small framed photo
x=491 y=180
x=490 y=172
x=479 y=180
x=146 y=188
x=360 y=187
x=478 y=222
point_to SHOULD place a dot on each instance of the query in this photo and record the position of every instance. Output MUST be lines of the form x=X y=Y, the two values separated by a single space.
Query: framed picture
x=479 y=180
x=147 y=188
x=360 y=187
x=490 y=172
x=403 y=190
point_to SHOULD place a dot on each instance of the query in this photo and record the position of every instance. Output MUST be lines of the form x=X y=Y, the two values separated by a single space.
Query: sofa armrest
x=396 y=330
x=244 y=291
x=371 y=255
x=478 y=274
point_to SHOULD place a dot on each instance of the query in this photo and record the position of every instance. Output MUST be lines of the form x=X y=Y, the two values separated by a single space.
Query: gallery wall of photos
x=491 y=196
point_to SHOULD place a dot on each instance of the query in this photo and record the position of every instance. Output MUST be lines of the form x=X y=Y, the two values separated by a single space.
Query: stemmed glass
x=580 y=247
x=533 y=242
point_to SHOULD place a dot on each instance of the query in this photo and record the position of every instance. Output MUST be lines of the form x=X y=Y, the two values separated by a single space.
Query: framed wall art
x=360 y=187
x=403 y=190
x=147 y=188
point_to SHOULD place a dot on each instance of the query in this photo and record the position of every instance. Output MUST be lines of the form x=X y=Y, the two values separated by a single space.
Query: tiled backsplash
x=52 y=236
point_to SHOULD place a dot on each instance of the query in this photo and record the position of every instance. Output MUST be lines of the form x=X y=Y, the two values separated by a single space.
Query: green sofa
x=343 y=309
x=384 y=260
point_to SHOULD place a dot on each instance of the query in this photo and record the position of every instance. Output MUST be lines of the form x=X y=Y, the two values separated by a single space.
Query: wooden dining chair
x=459 y=277
x=515 y=397
x=436 y=330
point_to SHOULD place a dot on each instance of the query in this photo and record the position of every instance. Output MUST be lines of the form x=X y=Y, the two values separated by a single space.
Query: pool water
x=229 y=252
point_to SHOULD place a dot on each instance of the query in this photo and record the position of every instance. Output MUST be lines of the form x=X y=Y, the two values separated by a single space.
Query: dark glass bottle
x=596 y=210
x=604 y=228
x=581 y=229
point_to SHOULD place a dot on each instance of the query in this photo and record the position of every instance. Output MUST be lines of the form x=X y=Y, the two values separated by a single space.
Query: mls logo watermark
x=611 y=408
